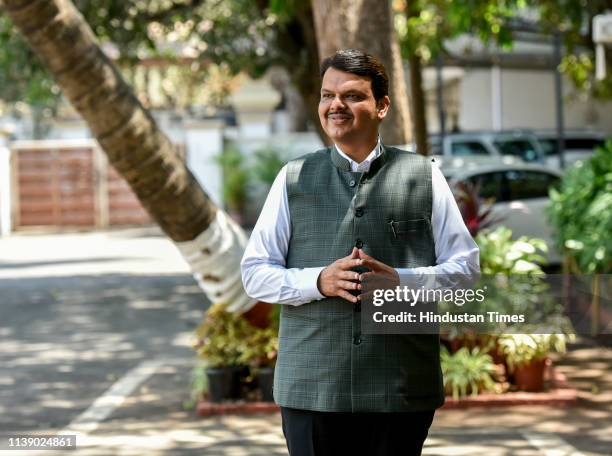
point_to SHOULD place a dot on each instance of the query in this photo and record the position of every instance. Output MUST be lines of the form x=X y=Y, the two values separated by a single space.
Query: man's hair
x=362 y=64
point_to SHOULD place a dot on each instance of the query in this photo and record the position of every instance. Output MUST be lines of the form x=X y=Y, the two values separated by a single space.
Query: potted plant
x=527 y=354
x=259 y=354
x=467 y=372
x=221 y=340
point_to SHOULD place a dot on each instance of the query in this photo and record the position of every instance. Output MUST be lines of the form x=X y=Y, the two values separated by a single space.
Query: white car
x=578 y=145
x=520 y=191
x=517 y=144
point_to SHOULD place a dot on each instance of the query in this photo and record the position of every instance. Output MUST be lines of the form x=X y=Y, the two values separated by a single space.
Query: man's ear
x=383 y=107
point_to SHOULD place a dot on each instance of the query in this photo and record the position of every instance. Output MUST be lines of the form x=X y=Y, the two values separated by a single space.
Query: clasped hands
x=339 y=280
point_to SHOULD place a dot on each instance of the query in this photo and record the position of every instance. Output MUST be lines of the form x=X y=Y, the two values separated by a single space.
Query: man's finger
x=366 y=276
x=355 y=253
x=373 y=264
x=364 y=255
x=346 y=285
x=346 y=295
x=348 y=275
x=348 y=263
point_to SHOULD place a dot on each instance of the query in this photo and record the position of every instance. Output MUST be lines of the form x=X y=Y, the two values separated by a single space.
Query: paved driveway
x=95 y=334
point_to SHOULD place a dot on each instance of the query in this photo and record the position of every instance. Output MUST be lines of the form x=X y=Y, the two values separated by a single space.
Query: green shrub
x=467 y=372
x=221 y=337
x=268 y=162
x=236 y=178
x=500 y=254
x=581 y=213
x=260 y=348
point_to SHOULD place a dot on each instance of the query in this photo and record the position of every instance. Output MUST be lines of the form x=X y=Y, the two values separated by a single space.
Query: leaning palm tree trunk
x=209 y=240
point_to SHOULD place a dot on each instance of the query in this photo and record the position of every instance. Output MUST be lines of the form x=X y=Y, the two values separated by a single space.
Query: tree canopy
x=432 y=22
x=217 y=39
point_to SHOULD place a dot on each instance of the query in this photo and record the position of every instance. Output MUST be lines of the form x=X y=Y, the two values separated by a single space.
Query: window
x=464 y=148
x=549 y=146
x=529 y=184
x=492 y=185
x=517 y=148
x=435 y=146
x=583 y=144
x=571 y=144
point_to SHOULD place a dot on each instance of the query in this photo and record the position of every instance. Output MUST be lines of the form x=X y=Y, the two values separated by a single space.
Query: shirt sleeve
x=456 y=252
x=264 y=274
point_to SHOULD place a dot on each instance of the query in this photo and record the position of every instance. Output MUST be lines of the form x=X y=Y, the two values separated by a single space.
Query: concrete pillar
x=204 y=143
x=254 y=103
x=496 y=98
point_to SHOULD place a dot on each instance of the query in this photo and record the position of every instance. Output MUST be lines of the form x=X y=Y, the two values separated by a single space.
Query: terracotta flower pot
x=530 y=377
x=497 y=355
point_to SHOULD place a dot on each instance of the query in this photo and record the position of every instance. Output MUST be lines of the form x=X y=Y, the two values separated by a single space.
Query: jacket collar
x=343 y=164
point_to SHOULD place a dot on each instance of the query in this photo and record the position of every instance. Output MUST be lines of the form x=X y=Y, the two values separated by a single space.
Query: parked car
x=520 y=193
x=518 y=144
x=578 y=145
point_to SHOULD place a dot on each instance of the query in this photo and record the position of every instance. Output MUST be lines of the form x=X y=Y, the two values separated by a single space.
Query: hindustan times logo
x=409 y=295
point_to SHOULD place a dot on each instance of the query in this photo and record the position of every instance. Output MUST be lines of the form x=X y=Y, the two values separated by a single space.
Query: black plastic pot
x=265 y=380
x=219 y=383
x=226 y=382
x=239 y=376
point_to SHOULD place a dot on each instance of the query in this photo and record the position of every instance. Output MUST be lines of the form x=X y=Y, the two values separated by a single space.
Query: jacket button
x=358 y=243
x=359 y=212
x=357 y=340
x=352 y=183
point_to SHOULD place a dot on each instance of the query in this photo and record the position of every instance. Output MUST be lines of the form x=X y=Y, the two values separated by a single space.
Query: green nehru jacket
x=324 y=362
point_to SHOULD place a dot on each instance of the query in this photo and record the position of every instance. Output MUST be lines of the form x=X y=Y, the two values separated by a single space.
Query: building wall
x=527 y=101
x=475 y=100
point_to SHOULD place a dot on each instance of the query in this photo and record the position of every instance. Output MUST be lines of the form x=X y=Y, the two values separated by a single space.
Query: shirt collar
x=364 y=166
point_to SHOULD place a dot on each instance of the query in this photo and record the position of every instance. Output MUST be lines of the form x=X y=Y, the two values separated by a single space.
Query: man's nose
x=337 y=103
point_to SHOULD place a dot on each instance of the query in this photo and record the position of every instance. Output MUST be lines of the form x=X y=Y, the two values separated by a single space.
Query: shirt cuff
x=413 y=278
x=307 y=283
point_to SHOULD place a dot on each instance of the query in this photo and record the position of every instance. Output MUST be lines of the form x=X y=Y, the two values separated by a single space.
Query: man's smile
x=337 y=117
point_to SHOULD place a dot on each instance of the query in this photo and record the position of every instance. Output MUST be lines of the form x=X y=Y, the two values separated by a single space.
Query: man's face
x=348 y=111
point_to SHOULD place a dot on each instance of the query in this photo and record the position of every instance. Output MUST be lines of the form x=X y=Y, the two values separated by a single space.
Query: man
x=330 y=214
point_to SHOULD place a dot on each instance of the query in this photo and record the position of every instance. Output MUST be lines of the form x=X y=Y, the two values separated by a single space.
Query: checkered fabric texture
x=324 y=362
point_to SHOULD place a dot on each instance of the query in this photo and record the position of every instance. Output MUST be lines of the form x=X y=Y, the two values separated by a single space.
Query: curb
x=206 y=408
x=561 y=397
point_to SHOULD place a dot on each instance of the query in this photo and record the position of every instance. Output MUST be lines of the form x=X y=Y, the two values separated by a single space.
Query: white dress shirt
x=266 y=278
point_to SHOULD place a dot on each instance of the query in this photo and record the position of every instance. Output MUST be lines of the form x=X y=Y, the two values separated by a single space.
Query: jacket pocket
x=406 y=229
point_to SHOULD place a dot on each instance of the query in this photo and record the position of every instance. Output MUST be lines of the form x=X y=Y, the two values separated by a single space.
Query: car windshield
x=549 y=146
x=517 y=148
x=467 y=148
x=514 y=184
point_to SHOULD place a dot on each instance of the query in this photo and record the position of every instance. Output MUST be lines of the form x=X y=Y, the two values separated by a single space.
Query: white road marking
x=89 y=420
x=550 y=444
x=105 y=405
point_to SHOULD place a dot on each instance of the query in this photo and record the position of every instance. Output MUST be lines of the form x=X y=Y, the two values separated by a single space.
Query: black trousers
x=310 y=433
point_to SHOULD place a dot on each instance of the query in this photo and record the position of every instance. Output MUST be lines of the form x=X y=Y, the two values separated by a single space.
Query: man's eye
x=327 y=95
